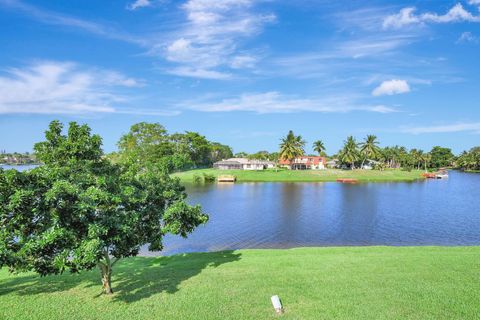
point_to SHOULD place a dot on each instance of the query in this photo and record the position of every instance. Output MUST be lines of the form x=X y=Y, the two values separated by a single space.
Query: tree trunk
x=106 y=272
x=107 y=280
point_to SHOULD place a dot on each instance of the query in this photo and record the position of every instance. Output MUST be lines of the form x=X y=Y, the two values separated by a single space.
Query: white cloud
x=208 y=42
x=407 y=17
x=473 y=127
x=61 y=88
x=275 y=102
x=467 y=37
x=199 y=73
x=391 y=87
x=474 y=3
x=139 y=4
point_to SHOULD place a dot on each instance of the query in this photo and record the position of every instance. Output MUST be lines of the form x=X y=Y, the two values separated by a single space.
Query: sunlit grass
x=313 y=283
x=306 y=175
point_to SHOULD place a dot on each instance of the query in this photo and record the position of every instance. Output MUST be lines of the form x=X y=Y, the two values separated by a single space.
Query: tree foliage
x=349 y=153
x=319 y=148
x=79 y=211
x=150 y=143
x=441 y=157
x=469 y=160
x=291 y=146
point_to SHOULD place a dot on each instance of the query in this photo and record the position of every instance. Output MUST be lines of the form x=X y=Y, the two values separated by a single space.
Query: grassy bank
x=313 y=283
x=306 y=175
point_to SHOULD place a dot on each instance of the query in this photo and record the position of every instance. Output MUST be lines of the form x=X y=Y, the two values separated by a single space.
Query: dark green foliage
x=150 y=144
x=79 y=210
x=441 y=157
x=469 y=160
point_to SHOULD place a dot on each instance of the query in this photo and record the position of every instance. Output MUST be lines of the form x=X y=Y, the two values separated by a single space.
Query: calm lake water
x=19 y=167
x=285 y=215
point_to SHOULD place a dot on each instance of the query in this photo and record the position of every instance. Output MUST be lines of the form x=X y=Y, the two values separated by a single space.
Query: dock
x=226 y=178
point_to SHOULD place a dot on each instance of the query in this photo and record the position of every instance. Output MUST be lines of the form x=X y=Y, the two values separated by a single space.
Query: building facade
x=243 y=164
x=305 y=163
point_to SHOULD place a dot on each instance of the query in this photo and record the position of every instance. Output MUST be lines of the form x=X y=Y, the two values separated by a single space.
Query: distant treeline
x=150 y=143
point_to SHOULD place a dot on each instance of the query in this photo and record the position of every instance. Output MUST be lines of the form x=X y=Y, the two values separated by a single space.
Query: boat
x=347 y=180
x=443 y=174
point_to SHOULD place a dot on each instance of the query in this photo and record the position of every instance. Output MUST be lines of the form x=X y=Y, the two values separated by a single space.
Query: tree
x=219 y=152
x=319 y=147
x=79 y=211
x=145 y=143
x=349 y=153
x=441 y=157
x=195 y=145
x=369 y=148
x=292 y=146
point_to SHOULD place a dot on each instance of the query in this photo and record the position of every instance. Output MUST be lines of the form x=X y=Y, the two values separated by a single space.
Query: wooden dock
x=226 y=178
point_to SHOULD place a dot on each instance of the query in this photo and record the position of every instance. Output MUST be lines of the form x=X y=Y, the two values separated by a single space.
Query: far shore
x=328 y=175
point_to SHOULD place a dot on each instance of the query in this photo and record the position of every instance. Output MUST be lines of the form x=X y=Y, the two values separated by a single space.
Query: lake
x=285 y=215
x=21 y=167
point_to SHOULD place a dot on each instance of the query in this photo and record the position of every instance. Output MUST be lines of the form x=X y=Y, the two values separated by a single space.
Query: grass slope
x=306 y=175
x=313 y=283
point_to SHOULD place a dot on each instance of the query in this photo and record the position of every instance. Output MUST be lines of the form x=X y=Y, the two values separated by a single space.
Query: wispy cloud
x=208 y=42
x=65 y=88
x=275 y=102
x=473 y=127
x=391 y=87
x=139 y=4
x=407 y=16
x=468 y=37
x=56 y=18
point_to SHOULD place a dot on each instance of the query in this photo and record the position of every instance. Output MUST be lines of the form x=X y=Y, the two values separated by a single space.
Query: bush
x=208 y=177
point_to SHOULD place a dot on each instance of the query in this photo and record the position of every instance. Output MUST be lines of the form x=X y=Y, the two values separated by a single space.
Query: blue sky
x=244 y=72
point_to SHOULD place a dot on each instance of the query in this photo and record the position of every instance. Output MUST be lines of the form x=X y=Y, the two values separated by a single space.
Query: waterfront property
x=304 y=163
x=243 y=164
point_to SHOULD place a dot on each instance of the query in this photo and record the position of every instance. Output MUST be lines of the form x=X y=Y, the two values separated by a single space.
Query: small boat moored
x=442 y=174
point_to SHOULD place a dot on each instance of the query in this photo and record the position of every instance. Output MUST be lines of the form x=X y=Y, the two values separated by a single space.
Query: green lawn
x=306 y=175
x=313 y=283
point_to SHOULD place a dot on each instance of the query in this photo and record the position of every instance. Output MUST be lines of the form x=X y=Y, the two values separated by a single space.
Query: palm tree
x=349 y=154
x=369 y=148
x=426 y=158
x=319 y=147
x=291 y=147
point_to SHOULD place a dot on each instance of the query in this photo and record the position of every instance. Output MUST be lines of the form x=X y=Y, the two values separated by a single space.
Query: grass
x=306 y=175
x=313 y=283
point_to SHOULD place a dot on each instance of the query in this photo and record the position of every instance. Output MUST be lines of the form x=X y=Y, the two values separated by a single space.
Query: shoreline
x=302 y=176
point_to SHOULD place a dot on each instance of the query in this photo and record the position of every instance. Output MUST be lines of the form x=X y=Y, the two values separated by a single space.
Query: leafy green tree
x=145 y=143
x=79 y=211
x=349 y=153
x=369 y=148
x=292 y=146
x=441 y=157
x=195 y=145
x=319 y=147
x=469 y=160
x=219 y=152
